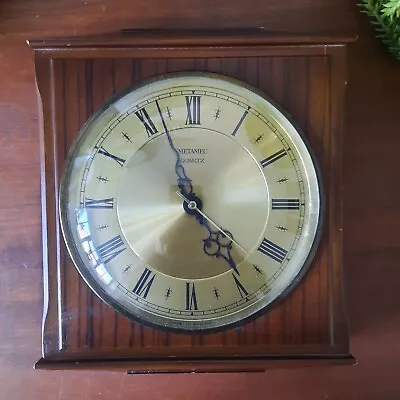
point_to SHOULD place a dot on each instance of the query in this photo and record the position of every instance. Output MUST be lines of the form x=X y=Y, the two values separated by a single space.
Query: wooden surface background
x=372 y=203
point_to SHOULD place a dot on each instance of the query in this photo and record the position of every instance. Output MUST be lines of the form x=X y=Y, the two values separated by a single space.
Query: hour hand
x=219 y=245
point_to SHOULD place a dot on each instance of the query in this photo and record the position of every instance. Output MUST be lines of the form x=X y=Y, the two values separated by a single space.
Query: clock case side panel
x=47 y=70
x=52 y=319
x=338 y=83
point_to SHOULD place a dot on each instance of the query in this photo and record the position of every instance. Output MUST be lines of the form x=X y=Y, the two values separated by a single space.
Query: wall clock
x=186 y=178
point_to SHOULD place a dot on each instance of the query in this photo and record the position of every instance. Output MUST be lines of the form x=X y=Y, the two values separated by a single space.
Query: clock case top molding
x=307 y=76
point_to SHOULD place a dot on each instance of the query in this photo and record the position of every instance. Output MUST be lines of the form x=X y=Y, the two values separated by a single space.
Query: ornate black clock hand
x=218 y=240
x=219 y=243
x=184 y=183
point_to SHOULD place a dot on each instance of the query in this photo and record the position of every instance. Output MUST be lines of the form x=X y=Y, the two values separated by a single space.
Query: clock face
x=190 y=202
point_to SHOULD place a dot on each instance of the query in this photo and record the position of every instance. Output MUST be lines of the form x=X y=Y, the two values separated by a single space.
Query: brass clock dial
x=191 y=202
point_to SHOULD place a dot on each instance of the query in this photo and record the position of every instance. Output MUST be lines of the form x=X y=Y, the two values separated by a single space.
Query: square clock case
x=192 y=200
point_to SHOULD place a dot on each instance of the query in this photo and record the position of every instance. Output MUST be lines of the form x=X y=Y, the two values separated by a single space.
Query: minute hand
x=211 y=222
x=183 y=181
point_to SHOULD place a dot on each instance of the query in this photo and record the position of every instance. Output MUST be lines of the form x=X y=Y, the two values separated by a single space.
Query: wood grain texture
x=311 y=321
x=370 y=219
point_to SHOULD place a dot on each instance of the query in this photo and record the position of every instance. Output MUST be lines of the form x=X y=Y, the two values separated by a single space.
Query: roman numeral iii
x=285 y=204
x=193 y=110
x=99 y=203
x=147 y=122
x=110 y=249
x=272 y=250
x=191 y=301
x=144 y=283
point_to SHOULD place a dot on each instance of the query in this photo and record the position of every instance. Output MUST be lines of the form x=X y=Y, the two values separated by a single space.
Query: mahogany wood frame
x=298 y=331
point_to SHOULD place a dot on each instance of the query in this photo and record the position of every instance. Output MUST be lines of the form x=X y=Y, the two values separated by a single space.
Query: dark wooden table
x=372 y=203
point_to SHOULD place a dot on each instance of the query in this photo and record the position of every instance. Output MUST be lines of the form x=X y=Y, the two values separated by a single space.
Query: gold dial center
x=229 y=183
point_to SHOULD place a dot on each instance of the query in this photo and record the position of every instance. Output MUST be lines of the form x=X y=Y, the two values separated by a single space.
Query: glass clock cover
x=191 y=202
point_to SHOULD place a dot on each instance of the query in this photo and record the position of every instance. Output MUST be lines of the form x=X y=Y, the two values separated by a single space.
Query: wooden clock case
x=307 y=77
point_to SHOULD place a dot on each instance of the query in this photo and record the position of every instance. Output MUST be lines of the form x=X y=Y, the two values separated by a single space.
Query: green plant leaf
x=391 y=9
x=385 y=17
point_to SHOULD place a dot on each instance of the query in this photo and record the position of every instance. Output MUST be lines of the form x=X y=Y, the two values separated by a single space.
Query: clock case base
x=307 y=77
